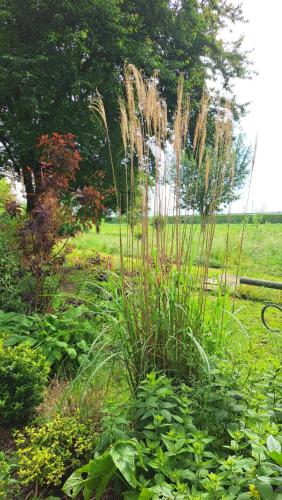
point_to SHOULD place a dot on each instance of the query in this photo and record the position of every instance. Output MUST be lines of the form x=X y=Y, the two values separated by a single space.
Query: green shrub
x=167 y=456
x=47 y=452
x=23 y=377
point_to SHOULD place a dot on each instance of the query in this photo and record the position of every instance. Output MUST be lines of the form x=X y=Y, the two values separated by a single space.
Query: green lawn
x=261 y=255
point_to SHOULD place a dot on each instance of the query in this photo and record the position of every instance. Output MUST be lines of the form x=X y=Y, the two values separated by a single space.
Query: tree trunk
x=32 y=179
x=97 y=224
x=29 y=189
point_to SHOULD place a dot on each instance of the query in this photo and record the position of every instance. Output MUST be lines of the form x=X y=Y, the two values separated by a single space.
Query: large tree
x=55 y=54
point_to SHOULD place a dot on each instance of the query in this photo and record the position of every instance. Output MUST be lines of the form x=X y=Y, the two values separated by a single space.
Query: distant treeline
x=258 y=218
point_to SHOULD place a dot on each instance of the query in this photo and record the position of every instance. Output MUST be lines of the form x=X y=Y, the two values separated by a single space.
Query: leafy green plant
x=64 y=338
x=7 y=482
x=115 y=426
x=218 y=400
x=48 y=451
x=166 y=456
x=11 y=289
x=23 y=377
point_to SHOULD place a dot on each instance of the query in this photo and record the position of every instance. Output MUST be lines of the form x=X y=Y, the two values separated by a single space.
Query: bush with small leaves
x=47 y=452
x=23 y=377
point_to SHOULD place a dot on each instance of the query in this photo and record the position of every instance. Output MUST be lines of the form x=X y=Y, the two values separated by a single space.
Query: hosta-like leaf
x=94 y=476
x=123 y=455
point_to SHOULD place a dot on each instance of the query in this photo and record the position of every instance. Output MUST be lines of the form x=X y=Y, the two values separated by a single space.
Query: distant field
x=261 y=255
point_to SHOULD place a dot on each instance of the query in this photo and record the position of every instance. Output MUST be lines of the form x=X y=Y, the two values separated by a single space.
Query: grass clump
x=163 y=297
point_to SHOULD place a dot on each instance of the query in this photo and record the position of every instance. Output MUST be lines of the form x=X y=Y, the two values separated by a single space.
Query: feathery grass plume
x=162 y=320
x=97 y=105
x=207 y=171
x=161 y=310
x=124 y=125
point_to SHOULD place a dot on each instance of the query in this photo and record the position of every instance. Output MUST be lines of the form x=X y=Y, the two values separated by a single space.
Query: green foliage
x=59 y=54
x=6 y=480
x=11 y=297
x=5 y=194
x=47 y=451
x=23 y=377
x=216 y=185
x=167 y=456
x=10 y=289
x=261 y=218
x=64 y=338
x=145 y=331
x=17 y=281
x=115 y=425
x=218 y=400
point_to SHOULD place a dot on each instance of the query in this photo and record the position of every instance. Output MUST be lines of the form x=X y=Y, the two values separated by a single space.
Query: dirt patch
x=7 y=443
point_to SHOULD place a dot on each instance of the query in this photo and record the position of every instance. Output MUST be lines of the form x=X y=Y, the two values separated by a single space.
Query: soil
x=7 y=443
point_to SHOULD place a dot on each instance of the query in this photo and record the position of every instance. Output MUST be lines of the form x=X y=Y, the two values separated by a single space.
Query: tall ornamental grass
x=162 y=302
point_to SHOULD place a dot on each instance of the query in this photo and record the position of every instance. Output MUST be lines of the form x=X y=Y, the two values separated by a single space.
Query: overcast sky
x=263 y=33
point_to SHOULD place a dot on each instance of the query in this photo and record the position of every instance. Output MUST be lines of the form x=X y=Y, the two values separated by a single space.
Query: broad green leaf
x=276 y=457
x=98 y=471
x=82 y=345
x=265 y=490
x=123 y=455
x=275 y=481
x=145 y=494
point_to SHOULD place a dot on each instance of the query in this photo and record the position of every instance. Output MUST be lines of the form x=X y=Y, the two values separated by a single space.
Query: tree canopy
x=55 y=55
x=215 y=184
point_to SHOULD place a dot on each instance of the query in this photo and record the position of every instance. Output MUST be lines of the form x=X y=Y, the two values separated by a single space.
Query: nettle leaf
x=270 y=480
x=83 y=345
x=187 y=474
x=71 y=352
x=146 y=494
x=166 y=414
x=147 y=414
x=57 y=355
x=273 y=444
x=167 y=404
x=177 y=419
